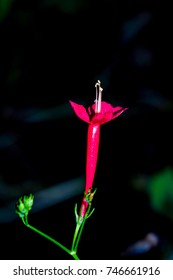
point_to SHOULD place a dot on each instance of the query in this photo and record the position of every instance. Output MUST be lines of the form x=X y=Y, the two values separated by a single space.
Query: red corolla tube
x=99 y=113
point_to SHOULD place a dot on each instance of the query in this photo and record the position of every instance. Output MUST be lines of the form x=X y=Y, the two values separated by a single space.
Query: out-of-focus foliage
x=65 y=6
x=159 y=187
x=160 y=190
x=4 y=8
x=68 y=6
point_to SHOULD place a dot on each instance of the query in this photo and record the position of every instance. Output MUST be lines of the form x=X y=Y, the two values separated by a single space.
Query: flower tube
x=97 y=114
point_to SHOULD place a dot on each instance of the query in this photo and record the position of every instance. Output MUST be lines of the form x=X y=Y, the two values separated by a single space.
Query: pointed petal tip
x=71 y=102
x=80 y=111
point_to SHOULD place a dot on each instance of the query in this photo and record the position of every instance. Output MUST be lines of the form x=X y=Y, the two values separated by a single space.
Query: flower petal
x=91 y=110
x=105 y=107
x=118 y=111
x=80 y=111
x=101 y=118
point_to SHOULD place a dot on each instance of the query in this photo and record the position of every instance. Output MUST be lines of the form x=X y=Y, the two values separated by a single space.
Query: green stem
x=75 y=236
x=78 y=231
x=26 y=220
x=79 y=235
x=73 y=254
x=49 y=238
x=81 y=228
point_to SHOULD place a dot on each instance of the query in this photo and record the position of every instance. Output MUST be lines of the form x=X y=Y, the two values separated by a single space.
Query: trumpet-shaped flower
x=97 y=114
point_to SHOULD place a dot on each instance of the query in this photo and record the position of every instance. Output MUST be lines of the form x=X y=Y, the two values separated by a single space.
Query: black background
x=51 y=53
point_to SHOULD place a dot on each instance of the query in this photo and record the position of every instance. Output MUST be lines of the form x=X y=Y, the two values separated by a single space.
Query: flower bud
x=24 y=205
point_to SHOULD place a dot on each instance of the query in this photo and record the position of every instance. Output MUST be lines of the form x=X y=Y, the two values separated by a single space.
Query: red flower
x=97 y=114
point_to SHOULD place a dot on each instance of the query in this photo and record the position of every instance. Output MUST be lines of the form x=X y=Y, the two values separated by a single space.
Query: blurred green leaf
x=5 y=6
x=161 y=192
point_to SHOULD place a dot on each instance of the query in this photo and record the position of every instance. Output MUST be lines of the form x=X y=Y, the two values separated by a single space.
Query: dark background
x=53 y=51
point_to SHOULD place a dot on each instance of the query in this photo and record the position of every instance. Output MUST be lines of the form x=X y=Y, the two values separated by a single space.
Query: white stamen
x=100 y=100
x=98 y=97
